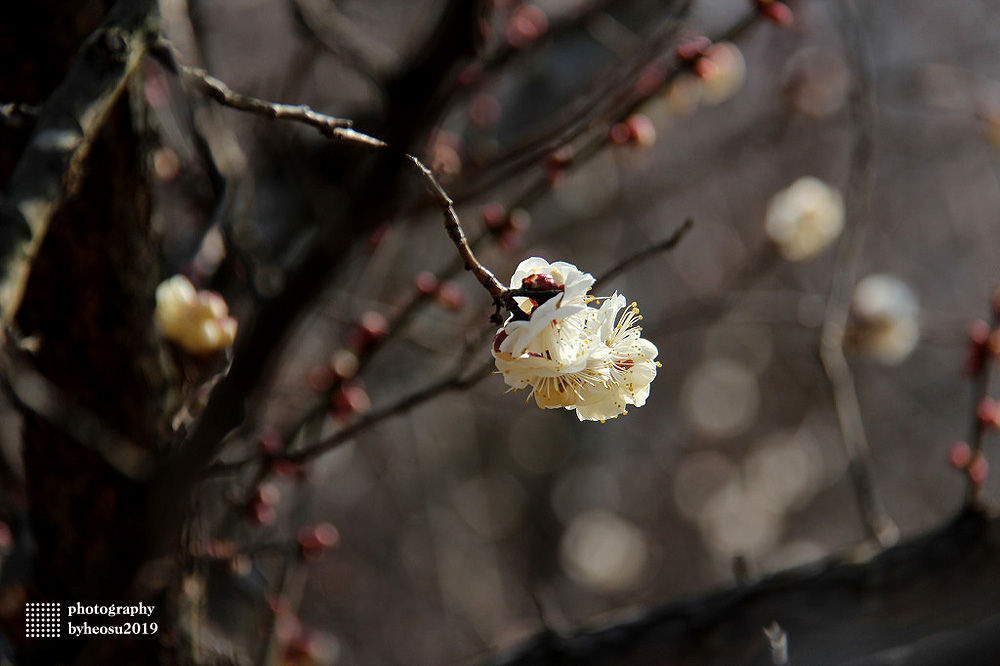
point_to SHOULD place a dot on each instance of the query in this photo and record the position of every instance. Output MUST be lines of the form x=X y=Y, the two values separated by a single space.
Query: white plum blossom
x=628 y=359
x=885 y=319
x=805 y=218
x=536 y=273
x=570 y=353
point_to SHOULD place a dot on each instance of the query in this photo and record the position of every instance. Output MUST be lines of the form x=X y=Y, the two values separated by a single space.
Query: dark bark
x=44 y=51
x=928 y=601
x=88 y=303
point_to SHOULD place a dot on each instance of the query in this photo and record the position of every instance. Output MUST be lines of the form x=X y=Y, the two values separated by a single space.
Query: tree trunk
x=88 y=307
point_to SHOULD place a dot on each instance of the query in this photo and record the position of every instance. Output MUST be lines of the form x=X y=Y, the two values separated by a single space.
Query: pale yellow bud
x=198 y=322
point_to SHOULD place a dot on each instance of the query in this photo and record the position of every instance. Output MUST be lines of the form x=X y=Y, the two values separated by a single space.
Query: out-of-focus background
x=474 y=519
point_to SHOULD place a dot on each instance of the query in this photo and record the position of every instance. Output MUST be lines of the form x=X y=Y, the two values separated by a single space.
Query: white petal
x=607 y=408
x=529 y=266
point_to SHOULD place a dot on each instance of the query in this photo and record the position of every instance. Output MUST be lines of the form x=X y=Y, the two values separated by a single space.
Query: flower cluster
x=572 y=349
x=197 y=321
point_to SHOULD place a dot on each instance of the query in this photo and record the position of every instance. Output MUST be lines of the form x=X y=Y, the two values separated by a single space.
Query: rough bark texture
x=89 y=305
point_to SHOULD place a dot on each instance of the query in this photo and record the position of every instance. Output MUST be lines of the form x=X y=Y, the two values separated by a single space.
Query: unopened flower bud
x=776 y=11
x=267 y=493
x=527 y=24
x=987 y=411
x=351 y=400
x=980 y=347
x=978 y=470
x=691 y=50
x=197 y=321
x=262 y=514
x=269 y=444
x=372 y=328
x=451 y=296
x=495 y=217
x=636 y=130
x=374 y=324
x=344 y=364
x=557 y=163
x=314 y=540
x=427 y=284
x=959 y=455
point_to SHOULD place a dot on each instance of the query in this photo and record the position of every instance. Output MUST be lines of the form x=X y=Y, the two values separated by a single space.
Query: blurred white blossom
x=570 y=353
x=805 y=218
x=197 y=321
x=723 y=71
x=884 y=319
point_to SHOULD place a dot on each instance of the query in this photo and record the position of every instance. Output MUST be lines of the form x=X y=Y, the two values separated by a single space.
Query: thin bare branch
x=338 y=129
x=877 y=523
x=607 y=105
x=454 y=228
x=982 y=369
x=256 y=350
x=645 y=254
x=453 y=382
x=329 y=29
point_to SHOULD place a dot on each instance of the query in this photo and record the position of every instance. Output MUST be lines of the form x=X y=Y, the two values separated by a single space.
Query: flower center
x=541 y=282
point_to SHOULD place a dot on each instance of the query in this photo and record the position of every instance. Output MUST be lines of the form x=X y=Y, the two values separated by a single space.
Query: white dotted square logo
x=43 y=620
